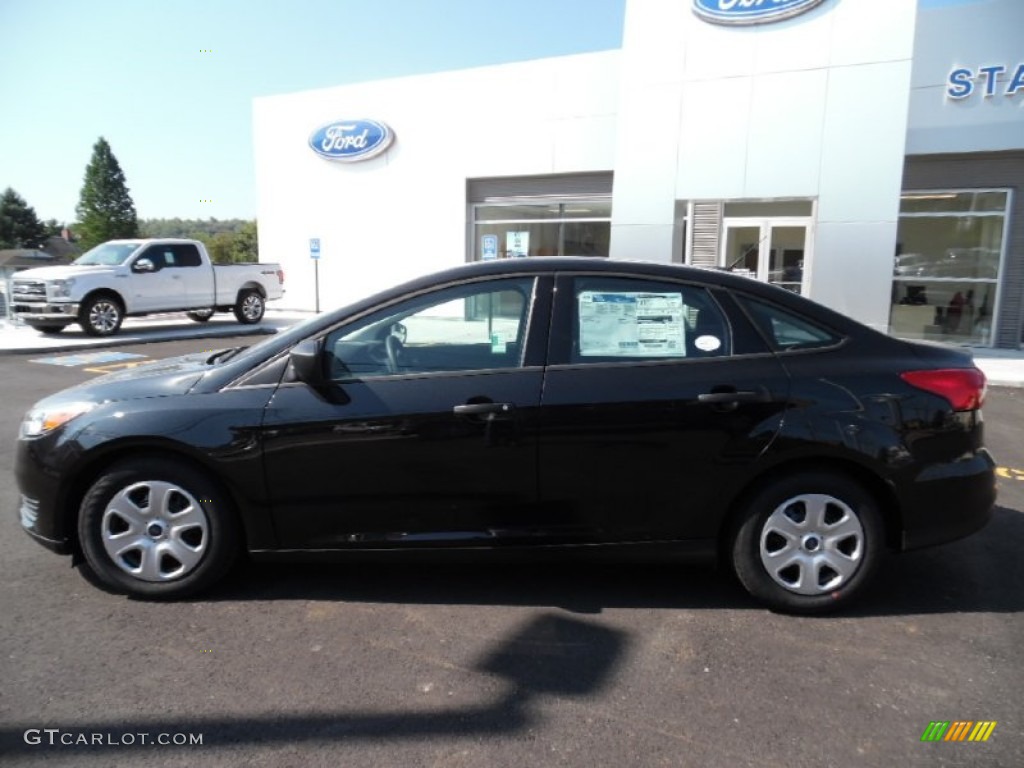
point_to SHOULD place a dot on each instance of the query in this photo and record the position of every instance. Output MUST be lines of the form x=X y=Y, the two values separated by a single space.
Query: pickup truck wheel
x=250 y=307
x=156 y=528
x=101 y=316
x=200 y=315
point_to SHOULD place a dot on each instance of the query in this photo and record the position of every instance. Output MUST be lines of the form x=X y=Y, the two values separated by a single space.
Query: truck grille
x=29 y=290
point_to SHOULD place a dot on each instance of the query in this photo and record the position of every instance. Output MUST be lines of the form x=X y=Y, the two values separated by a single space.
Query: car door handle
x=729 y=398
x=732 y=397
x=487 y=411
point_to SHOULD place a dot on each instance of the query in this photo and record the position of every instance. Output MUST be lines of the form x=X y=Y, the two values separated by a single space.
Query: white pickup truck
x=122 y=278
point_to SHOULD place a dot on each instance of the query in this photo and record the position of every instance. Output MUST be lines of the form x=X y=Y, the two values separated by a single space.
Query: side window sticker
x=631 y=324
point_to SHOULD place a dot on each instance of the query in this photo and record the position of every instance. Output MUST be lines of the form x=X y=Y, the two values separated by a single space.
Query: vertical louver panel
x=707 y=234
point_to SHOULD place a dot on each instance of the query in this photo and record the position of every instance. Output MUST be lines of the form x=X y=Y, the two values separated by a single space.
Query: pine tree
x=19 y=226
x=105 y=208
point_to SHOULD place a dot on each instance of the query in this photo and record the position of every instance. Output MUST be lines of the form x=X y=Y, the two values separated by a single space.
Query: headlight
x=39 y=421
x=61 y=288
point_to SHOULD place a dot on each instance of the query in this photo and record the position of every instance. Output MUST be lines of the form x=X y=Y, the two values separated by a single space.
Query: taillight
x=280 y=276
x=964 y=388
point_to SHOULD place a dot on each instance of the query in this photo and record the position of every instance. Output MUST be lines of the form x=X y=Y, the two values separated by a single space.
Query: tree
x=105 y=208
x=234 y=247
x=19 y=226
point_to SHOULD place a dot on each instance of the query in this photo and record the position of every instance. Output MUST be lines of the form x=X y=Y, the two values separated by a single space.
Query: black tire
x=182 y=547
x=50 y=330
x=200 y=315
x=826 y=526
x=101 y=315
x=250 y=307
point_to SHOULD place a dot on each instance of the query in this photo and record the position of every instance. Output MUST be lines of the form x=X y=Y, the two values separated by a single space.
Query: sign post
x=314 y=254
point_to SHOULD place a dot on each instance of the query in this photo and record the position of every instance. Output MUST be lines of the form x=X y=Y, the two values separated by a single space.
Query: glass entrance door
x=787 y=246
x=772 y=250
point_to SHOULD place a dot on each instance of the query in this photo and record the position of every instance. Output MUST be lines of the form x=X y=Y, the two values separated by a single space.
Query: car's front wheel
x=808 y=542
x=157 y=529
x=101 y=315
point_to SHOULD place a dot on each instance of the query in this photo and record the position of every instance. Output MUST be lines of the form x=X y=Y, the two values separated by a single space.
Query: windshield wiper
x=223 y=355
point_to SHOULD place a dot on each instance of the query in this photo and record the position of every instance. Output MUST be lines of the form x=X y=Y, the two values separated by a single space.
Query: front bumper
x=32 y=313
x=39 y=500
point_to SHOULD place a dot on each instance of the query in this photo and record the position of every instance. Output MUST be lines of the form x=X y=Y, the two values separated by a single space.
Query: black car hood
x=163 y=378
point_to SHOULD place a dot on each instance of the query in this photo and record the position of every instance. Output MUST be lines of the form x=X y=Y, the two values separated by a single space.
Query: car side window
x=157 y=255
x=474 y=327
x=624 y=320
x=186 y=255
x=786 y=330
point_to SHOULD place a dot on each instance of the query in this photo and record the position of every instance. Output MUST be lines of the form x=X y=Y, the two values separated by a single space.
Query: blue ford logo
x=350 y=140
x=750 y=11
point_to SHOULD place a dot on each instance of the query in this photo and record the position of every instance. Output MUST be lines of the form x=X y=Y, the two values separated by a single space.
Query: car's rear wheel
x=809 y=542
x=157 y=529
x=200 y=315
x=250 y=307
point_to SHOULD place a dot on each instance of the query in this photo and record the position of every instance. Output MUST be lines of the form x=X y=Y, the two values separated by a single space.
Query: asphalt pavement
x=569 y=664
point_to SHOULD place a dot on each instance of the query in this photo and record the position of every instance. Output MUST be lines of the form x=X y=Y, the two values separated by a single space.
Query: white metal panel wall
x=403 y=213
x=971 y=36
x=814 y=106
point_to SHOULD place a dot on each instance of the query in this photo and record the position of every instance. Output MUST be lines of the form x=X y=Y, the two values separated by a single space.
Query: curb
x=129 y=339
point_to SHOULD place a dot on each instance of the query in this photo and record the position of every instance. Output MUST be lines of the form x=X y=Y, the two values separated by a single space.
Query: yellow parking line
x=117 y=366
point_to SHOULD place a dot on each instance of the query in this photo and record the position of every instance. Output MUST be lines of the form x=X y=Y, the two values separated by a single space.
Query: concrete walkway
x=1002 y=367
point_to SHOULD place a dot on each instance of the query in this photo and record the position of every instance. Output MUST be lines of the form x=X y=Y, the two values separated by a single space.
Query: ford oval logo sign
x=750 y=11
x=351 y=140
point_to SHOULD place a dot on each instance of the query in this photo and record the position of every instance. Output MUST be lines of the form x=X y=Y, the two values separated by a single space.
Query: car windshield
x=107 y=254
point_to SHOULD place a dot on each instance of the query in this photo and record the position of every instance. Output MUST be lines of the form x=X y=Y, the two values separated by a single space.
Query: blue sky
x=179 y=119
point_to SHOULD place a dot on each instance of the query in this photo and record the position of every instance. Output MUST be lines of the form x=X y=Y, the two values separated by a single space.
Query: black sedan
x=524 y=406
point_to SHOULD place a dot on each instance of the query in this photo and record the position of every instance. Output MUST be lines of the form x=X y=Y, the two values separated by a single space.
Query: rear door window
x=614 y=319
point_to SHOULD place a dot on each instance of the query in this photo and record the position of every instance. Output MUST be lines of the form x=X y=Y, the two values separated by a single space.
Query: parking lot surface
x=576 y=664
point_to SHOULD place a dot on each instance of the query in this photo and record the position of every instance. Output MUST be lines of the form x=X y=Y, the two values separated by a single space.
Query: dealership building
x=868 y=154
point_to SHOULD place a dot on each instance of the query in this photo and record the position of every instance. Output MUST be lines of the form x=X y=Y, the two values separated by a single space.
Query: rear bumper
x=949 y=501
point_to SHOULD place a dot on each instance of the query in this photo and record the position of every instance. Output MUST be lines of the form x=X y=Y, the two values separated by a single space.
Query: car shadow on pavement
x=549 y=655
x=577 y=586
x=982 y=573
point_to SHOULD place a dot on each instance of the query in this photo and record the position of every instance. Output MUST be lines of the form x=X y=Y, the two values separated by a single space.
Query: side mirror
x=143 y=265
x=306 y=359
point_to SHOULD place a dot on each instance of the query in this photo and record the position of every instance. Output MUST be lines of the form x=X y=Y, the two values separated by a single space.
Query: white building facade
x=868 y=154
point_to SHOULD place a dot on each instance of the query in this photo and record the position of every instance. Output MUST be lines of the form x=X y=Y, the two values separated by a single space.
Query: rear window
x=786 y=330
